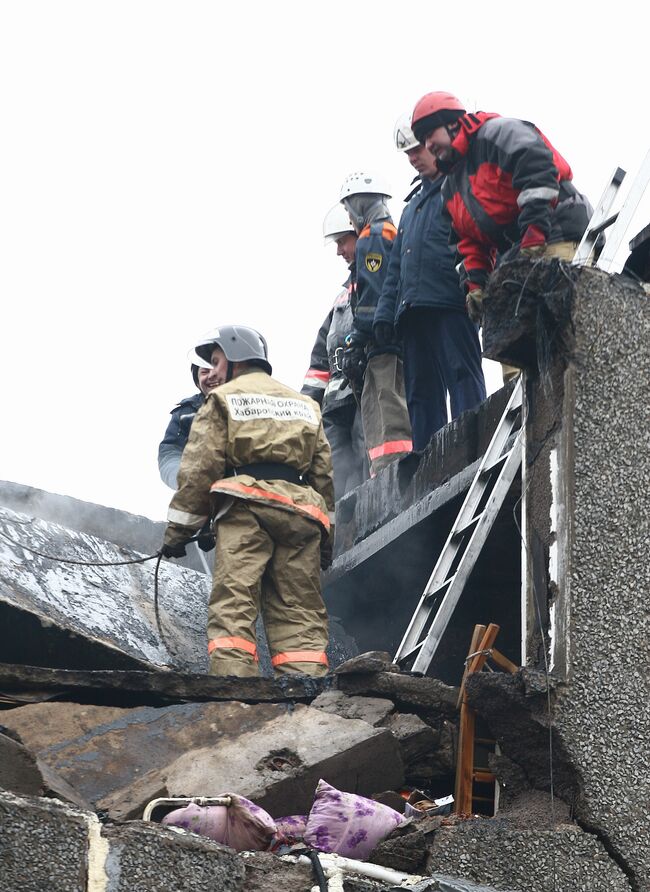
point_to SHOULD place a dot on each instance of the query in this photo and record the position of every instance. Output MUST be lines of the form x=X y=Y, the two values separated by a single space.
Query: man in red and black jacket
x=507 y=187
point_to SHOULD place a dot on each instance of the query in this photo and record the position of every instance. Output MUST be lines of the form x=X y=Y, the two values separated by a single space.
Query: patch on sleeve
x=373 y=262
x=253 y=406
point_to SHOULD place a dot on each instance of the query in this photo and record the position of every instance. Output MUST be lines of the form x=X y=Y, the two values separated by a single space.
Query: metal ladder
x=467 y=537
x=619 y=222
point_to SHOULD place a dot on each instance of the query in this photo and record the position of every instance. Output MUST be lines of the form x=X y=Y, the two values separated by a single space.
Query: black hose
x=51 y=557
x=317 y=867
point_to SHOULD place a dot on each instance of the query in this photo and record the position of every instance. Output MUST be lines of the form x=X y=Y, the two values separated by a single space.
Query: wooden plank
x=478 y=633
x=486 y=643
x=503 y=661
x=484 y=777
x=465 y=761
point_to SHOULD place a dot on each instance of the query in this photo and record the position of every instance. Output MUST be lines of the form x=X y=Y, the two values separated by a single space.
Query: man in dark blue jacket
x=178 y=430
x=422 y=301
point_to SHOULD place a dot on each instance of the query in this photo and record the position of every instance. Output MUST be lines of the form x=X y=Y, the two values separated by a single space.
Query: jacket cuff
x=533 y=237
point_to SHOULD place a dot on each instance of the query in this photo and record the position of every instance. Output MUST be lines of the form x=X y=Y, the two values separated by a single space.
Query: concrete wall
x=587 y=538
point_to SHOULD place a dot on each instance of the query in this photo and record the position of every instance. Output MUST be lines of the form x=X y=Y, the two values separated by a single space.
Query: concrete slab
x=76 y=616
x=116 y=758
x=24 y=774
x=587 y=526
x=115 y=688
x=279 y=765
x=119 y=759
x=149 y=858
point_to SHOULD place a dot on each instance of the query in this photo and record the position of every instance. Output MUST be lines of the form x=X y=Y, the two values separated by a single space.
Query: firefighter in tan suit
x=257 y=462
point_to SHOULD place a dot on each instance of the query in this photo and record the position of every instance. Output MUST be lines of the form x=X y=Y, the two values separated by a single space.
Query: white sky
x=165 y=167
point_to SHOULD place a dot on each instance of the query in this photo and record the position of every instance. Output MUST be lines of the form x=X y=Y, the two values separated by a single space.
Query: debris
x=371 y=661
x=23 y=773
x=427 y=697
x=120 y=759
x=419 y=804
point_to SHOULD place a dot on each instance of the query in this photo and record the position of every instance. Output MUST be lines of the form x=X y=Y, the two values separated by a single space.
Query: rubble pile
x=105 y=718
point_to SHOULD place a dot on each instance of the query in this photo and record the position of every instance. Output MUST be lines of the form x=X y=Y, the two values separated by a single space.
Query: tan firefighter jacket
x=252 y=419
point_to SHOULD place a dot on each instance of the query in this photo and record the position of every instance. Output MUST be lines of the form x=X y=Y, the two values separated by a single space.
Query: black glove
x=173 y=551
x=384 y=334
x=205 y=540
x=353 y=360
x=325 y=556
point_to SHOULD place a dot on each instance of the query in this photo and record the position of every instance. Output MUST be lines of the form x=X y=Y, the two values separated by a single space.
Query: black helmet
x=239 y=344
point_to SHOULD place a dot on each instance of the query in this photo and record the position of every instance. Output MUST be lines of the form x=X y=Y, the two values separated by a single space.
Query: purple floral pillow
x=348 y=824
x=242 y=825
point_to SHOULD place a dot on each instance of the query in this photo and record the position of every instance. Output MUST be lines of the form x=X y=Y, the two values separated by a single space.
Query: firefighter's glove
x=474 y=304
x=533 y=251
x=326 y=556
x=353 y=361
x=173 y=551
x=533 y=244
x=205 y=539
x=384 y=334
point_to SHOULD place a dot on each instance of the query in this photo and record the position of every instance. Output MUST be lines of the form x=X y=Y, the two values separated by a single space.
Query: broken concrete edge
x=404 y=689
x=490 y=851
x=70 y=850
x=367 y=547
x=400 y=485
x=168 y=685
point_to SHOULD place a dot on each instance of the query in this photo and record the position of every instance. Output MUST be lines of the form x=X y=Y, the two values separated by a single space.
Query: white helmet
x=359 y=183
x=336 y=224
x=403 y=135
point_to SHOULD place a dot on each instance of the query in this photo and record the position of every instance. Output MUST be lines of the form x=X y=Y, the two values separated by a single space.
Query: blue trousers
x=442 y=355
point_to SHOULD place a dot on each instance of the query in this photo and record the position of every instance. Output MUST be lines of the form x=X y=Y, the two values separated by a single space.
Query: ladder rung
x=487 y=469
x=460 y=530
x=482 y=799
x=448 y=581
x=484 y=740
x=483 y=777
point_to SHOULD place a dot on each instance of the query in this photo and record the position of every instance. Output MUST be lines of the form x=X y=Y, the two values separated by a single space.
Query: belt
x=268 y=471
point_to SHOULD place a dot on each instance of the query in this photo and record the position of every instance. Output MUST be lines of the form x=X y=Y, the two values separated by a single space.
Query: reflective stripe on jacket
x=252 y=419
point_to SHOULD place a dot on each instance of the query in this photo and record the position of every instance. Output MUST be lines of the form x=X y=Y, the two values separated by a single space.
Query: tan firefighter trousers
x=385 y=417
x=267 y=561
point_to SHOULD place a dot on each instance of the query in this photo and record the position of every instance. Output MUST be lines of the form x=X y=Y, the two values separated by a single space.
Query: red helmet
x=435 y=110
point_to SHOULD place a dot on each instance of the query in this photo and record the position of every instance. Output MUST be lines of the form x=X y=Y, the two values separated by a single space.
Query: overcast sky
x=166 y=166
